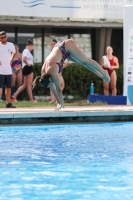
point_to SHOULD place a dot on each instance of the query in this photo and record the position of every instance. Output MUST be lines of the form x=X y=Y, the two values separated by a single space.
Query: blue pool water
x=66 y=162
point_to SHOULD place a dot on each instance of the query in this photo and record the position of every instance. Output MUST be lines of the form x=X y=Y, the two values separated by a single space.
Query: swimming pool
x=66 y=162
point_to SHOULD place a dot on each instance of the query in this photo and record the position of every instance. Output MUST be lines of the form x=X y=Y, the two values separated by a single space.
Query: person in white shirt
x=7 y=51
x=27 y=70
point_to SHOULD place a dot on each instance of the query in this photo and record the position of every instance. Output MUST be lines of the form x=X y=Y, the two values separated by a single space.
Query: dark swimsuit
x=61 y=46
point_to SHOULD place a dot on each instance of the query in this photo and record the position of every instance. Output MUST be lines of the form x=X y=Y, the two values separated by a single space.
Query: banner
x=128 y=54
x=109 y=9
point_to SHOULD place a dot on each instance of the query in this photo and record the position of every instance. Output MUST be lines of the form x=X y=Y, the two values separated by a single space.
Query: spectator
x=17 y=68
x=53 y=43
x=27 y=70
x=7 y=51
x=110 y=63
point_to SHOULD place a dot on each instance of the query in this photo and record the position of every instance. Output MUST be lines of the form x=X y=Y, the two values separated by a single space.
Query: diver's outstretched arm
x=56 y=90
x=53 y=89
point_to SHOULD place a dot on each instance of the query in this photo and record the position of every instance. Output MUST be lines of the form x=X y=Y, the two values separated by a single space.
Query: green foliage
x=120 y=80
x=78 y=80
x=27 y=104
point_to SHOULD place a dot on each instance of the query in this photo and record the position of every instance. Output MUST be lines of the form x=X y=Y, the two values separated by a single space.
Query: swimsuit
x=61 y=46
x=16 y=65
x=112 y=63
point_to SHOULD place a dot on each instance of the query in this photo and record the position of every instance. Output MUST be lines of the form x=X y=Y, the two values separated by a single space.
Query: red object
x=112 y=63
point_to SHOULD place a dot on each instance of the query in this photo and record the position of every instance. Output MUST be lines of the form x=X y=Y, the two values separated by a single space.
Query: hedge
x=78 y=80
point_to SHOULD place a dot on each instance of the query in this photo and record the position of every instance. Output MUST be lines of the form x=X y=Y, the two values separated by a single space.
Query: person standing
x=17 y=68
x=110 y=63
x=27 y=70
x=7 y=51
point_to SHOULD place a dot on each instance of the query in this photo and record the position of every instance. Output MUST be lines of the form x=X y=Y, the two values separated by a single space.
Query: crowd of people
x=16 y=69
x=27 y=71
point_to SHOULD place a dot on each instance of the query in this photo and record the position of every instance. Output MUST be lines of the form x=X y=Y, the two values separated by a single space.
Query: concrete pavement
x=71 y=114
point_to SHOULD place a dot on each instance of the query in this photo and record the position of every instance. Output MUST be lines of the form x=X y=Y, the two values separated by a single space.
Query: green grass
x=22 y=104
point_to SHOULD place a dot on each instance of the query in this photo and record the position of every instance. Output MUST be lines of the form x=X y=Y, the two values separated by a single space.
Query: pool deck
x=71 y=114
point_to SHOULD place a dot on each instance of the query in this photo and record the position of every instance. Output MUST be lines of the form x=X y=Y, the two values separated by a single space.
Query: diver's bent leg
x=85 y=65
x=79 y=56
x=93 y=66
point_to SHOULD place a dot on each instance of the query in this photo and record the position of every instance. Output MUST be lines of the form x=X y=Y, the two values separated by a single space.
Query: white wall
x=109 y=9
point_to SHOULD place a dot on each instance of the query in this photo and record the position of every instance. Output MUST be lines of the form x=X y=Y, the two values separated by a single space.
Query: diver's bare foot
x=59 y=107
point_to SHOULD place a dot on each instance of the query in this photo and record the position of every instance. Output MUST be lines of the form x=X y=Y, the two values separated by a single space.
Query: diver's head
x=45 y=80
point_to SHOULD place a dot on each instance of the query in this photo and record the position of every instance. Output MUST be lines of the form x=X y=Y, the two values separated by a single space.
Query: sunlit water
x=66 y=162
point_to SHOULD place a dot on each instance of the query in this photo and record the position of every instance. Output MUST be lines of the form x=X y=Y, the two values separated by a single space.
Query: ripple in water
x=87 y=161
